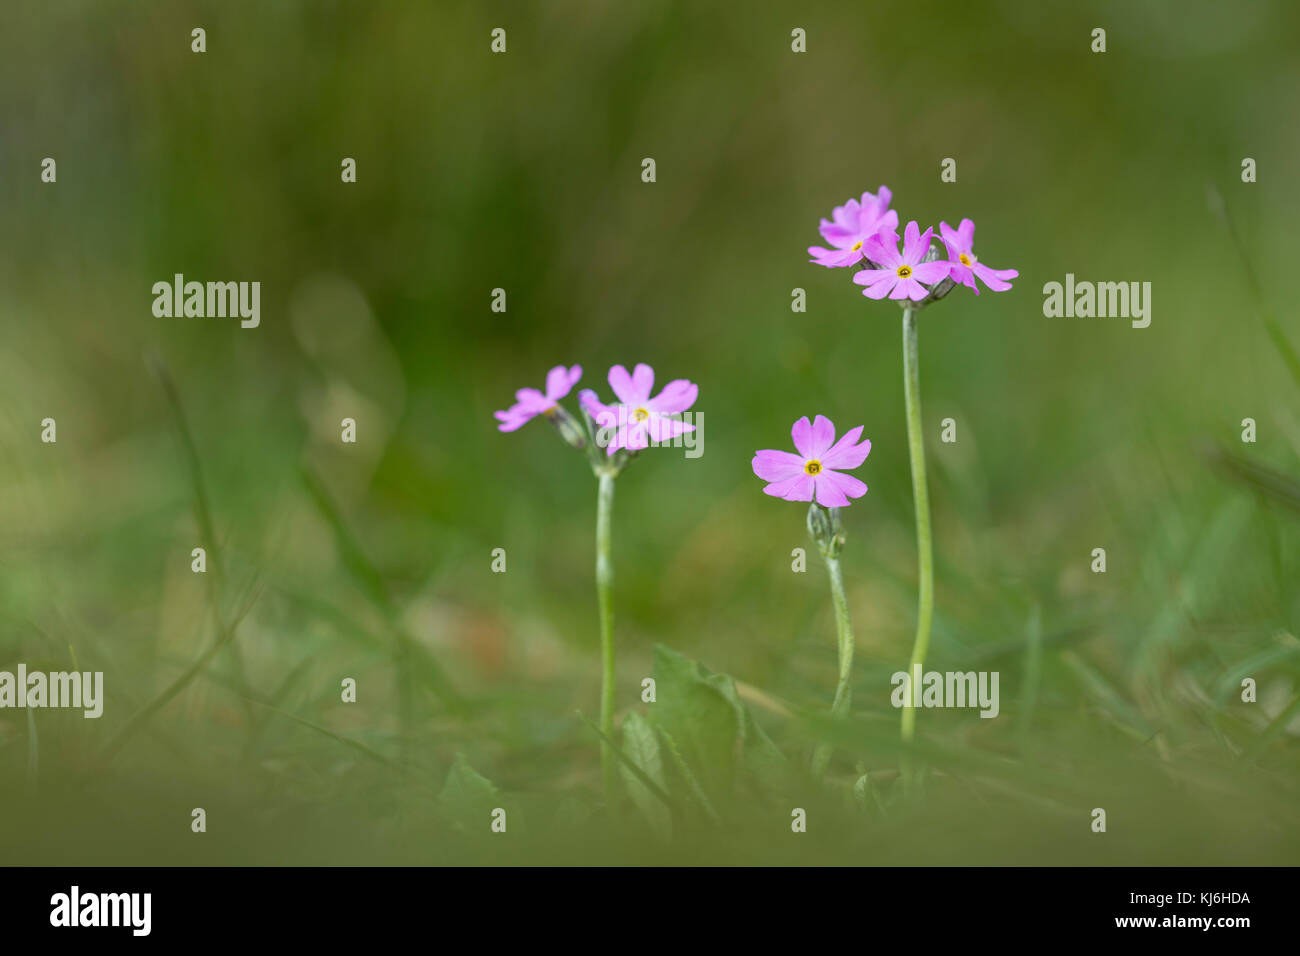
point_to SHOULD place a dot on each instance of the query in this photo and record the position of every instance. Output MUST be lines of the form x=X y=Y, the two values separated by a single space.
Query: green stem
x=920 y=494
x=844 y=635
x=605 y=599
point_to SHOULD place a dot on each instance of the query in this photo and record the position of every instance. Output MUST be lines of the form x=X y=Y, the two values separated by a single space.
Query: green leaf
x=641 y=744
x=710 y=725
x=468 y=798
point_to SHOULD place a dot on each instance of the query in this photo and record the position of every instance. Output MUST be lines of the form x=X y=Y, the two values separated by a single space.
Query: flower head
x=529 y=402
x=851 y=225
x=900 y=275
x=812 y=474
x=965 y=267
x=639 y=419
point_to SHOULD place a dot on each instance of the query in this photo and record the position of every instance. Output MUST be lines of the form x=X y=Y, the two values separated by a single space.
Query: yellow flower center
x=640 y=414
x=965 y=259
x=812 y=467
x=856 y=246
x=904 y=272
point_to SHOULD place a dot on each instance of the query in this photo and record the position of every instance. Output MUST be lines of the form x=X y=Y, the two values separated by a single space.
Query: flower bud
x=819 y=525
x=568 y=427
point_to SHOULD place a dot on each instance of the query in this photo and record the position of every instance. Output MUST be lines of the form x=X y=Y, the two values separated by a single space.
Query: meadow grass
x=479 y=690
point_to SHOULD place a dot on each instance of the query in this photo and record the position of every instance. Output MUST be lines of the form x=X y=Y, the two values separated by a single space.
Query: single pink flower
x=900 y=275
x=639 y=419
x=851 y=225
x=811 y=473
x=965 y=267
x=529 y=402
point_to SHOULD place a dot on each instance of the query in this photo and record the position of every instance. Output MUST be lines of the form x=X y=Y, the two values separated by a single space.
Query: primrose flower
x=639 y=419
x=812 y=472
x=900 y=275
x=529 y=402
x=965 y=267
x=851 y=225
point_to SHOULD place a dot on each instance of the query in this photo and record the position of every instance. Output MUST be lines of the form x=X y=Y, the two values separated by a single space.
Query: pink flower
x=965 y=267
x=900 y=276
x=529 y=402
x=851 y=225
x=811 y=473
x=640 y=419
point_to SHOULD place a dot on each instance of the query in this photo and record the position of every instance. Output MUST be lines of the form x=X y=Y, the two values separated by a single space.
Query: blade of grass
x=631 y=764
x=1284 y=348
x=1033 y=675
x=203 y=516
x=224 y=637
x=1267 y=482
x=407 y=654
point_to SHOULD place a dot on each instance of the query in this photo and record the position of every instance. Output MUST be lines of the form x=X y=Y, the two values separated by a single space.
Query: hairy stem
x=920 y=494
x=844 y=638
x=605 y=600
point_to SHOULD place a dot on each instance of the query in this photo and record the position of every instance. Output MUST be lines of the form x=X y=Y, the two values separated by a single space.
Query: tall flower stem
x=605 y=600
x=921 y=496
x=844 y=636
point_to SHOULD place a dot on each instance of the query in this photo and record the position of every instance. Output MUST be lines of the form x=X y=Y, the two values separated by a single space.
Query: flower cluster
x=629 y=425
x=864 y=234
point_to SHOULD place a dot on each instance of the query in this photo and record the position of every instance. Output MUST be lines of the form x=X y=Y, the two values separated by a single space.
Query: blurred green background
x=522 y=171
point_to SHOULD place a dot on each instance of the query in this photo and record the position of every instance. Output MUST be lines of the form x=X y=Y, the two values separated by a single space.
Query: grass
x=373 y=562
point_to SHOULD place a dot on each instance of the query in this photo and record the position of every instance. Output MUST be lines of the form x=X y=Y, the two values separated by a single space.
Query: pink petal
x=993 y=278
x=846 y=485
x=773 y=465
x=882 y=288
x=802 y=435
x=847 y=216
x=632 y=437
x=966 y=235
x=664 y=429
x=882 y=249
x=643 y=377
x=834 y=259
x=677 y=396
x=948 y=236
x=619 y=440
x=902 y=290
x=512 y=418
x=798 y=488
x=560 y=380
x=829 y=494
x=632 y=389
x=621 y=382
x=823 y=436
x=847 y=452
x=530 y=399
x=637 y=436
x=931 y=272
x=872 y=276
x=837 y=236
x=916 y=244
x=911 y=240
x=963 y=276
x=887 y=223
x=602 y=415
